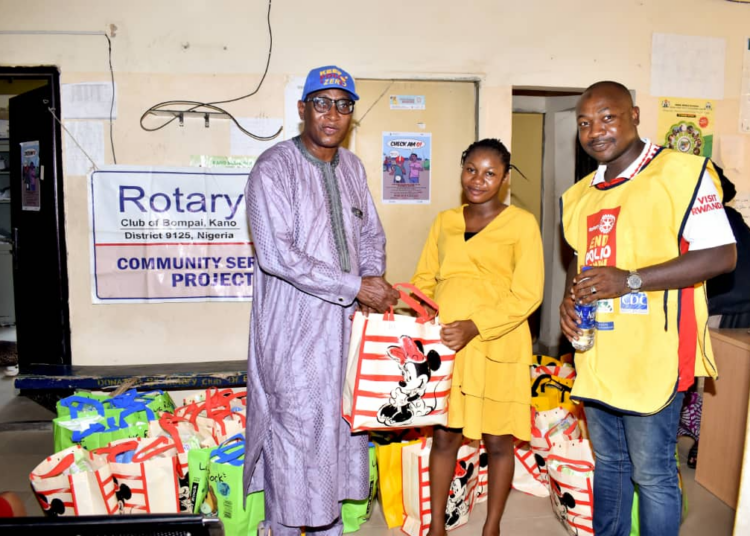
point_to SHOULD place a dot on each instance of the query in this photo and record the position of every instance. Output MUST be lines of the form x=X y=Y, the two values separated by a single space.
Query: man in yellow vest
x=650 y=225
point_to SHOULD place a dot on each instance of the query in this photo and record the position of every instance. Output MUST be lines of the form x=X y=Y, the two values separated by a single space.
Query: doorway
x=33 y=255
x=547 y=133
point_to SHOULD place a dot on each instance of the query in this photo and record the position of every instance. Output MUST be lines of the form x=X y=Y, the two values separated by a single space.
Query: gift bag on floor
x=80 y=402
x=187 y=438
x=483 y=476
x=550 y=392
x=240 y=516
x=356 y=513
x=93 y=430
x=416 y=478
x=565 y=371
x=157 y=401
x=146 y=473
x=186 y=434
x=570 y=467
x=198 y=460
x=390 y=482
x=398 y=372
x=74 y=482
x=550 y=427
x=528 y=477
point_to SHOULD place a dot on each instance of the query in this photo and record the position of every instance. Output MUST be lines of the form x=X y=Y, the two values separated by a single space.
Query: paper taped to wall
x=90 y=100
x=244 y=145
x=292 y=95
x=741 y=203
x=687 y=66
x=90 y=134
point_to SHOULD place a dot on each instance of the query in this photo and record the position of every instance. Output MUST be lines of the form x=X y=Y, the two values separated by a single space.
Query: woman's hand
x=458 y=334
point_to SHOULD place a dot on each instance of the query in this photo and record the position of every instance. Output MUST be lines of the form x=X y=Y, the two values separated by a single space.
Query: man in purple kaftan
x=320 y=248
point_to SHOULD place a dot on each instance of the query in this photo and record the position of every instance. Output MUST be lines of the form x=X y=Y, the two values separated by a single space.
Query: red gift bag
x=398 y=372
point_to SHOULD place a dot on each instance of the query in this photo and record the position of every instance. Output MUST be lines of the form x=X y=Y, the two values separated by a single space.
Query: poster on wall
x=406 y=167
x=31 y=175
x=163 y=234
x=686 y=125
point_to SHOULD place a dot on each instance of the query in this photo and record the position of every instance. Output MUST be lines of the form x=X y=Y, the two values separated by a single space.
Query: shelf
x=181 y=114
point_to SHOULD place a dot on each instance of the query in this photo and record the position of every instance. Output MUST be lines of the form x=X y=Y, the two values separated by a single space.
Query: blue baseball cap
x=329 y=77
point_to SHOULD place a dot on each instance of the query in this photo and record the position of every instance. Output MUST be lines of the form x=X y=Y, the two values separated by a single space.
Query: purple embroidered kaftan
x=310 y=221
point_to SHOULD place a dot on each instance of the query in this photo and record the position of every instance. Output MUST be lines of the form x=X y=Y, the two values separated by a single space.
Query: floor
x=20 y=452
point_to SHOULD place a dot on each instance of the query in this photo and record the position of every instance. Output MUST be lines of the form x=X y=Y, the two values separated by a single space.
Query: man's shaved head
x=611 y=88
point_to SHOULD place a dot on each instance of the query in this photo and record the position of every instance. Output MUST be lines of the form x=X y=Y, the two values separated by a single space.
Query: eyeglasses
x=323 y=104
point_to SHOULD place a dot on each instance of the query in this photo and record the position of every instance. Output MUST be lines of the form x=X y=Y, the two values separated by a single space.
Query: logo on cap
x=333 y=77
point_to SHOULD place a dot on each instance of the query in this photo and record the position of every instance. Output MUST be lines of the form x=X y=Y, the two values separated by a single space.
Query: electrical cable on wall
x=201 y=107
x=111 y=71
x=112 y=104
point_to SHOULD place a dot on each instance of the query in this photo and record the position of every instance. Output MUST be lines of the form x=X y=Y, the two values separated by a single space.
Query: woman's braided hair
x=492 y=144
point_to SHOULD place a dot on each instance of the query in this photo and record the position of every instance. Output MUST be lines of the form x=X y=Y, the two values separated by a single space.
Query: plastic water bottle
x=587 y=314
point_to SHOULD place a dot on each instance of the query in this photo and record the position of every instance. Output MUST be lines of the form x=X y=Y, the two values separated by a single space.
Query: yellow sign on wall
x=686 y=125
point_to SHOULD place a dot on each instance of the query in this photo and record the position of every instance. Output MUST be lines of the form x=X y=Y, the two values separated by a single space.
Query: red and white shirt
x=706 y=226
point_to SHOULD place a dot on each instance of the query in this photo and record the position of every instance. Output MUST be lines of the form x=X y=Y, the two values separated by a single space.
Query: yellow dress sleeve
x=428 y=267
x=526 y=288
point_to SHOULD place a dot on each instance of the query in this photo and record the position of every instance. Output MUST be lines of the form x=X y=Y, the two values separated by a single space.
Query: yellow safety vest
x=633 y=366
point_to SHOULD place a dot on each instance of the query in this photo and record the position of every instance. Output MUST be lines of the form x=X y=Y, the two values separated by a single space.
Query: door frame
x=51 y=73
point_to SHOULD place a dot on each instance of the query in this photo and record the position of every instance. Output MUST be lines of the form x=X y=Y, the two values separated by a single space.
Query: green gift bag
x=198 y=460
x=93 y=430
x=157 y=401
x=355 y=513
x=80 y=401
x=226 y=491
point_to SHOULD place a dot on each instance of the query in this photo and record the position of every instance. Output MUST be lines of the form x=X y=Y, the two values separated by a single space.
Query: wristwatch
x=634 y=282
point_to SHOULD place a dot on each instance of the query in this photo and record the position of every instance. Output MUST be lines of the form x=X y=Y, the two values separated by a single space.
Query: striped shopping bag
x=570 y=466
x=415 y=463
x=398 y=372
x=146 y=473
x=528 y=477
x=483 y=478
x=73 y=482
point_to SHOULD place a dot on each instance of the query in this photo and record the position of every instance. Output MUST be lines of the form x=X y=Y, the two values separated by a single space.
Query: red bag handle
x=418 y=293
x=113 y=450
x=61 y=466
x=189 y=411
x=422 y=315
x=168 y=423
x=159 y=446
x=232 y=414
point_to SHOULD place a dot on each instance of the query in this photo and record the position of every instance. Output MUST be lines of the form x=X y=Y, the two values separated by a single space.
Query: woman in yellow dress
x=483 y=264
